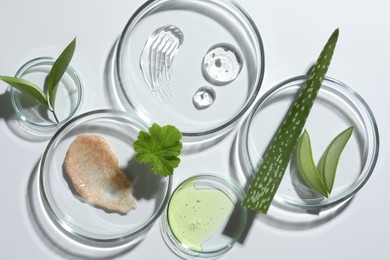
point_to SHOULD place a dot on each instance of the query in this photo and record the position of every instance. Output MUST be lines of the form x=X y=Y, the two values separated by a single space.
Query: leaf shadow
x=145 y=183
x=7 y=110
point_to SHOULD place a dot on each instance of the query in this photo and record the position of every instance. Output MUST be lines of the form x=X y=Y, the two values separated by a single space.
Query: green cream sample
x=195 y=214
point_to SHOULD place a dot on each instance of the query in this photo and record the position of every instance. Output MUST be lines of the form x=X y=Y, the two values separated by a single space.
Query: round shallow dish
x=196 y=26
x=336 y=108
x=81 y=220
x=37 y=118
x=204 y=217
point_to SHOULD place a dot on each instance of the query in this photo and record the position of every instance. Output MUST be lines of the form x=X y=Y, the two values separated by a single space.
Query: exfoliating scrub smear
x=204 y=217
x=201 y=78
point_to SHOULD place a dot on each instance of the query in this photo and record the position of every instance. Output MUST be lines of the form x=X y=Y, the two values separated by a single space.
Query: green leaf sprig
x=321 y=178
x=57 y=71
x=160 y=147
x=263 y=187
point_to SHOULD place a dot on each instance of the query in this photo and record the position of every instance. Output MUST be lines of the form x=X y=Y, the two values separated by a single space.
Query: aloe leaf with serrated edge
x=263 y=187
x=26 y=87
x=57 y=71
x=307 y=166
x=329 y=161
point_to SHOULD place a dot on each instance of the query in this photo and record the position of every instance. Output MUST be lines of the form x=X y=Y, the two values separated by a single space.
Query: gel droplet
x=221 y=64
x=203 y=98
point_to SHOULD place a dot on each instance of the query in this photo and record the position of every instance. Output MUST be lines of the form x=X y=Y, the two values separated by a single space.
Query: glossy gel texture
x=196 y=214
x=203 y=98
x=221 y=64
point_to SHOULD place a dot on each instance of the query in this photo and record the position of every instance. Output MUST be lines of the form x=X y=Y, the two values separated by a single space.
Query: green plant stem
x=55 y=115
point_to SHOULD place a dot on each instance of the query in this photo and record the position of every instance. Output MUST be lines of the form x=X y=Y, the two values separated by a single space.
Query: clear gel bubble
x=221 y=64
x=203 y=98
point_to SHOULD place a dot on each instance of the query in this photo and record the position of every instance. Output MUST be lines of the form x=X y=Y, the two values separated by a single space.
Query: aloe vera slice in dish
x=263 y=187
x=327 y=165
x=307 y=166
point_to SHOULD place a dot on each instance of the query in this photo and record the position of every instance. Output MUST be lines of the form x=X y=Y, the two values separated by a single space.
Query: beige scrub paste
x=195 y=214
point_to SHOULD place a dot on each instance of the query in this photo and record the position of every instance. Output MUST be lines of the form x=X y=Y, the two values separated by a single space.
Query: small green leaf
x=26 y=87
x=263 y=187
x=307 y=166
x=328 y=163
x=160 y=147
x=58 y=70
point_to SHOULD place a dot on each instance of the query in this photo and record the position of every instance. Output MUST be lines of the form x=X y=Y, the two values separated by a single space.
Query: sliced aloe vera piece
x=263 y=187
x=327 y=165
x=307 y=166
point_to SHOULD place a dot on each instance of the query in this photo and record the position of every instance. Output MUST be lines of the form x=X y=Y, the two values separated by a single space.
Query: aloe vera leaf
x=26 y=87
x=307 y=166
x=263 y=187
x=57 y=71
x=328 y=163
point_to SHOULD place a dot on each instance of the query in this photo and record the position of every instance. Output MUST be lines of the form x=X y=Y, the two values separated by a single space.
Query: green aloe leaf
x=263 y=187
x=328 y=163
x=58 y=70
x=307 y=166
x=26 y=87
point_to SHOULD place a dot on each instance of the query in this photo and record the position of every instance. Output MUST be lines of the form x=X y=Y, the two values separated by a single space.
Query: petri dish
x=204 y=217
x=86 y=223
x=336 y=108
x=195 y=26
x=35 y=118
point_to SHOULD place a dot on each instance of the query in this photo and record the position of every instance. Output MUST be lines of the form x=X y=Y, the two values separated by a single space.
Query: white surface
x=293 y=33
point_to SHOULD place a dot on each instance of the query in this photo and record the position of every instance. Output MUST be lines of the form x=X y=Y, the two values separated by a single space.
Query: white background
x=293 y=33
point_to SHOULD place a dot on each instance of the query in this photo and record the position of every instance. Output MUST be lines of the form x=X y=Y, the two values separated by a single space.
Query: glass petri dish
x=83 y=222
x=337 y=107
x=204 y=217
x=36 y=118
x=196 y=26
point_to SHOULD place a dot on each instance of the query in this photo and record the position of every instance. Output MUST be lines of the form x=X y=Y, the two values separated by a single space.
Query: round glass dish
x=37 y=118
x=336 y=108
x=196 y=26
x=204 y=217
x=82 y=221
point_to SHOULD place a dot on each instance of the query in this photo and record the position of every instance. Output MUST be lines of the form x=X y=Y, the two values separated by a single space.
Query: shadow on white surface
x=16 y=124
x=57 y=241
x=110 y=84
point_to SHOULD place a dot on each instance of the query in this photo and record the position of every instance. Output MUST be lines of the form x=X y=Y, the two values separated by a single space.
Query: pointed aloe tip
x=73 y=42
x=335 y=34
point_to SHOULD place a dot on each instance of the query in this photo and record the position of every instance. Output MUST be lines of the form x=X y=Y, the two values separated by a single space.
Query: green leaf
x=58 y=70
x=26 y=87
x=327 y=165
x=307 y=166
x=263 y=187
x=160 y=147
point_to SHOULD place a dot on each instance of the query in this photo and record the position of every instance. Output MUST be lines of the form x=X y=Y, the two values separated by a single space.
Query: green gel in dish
x=196 y=214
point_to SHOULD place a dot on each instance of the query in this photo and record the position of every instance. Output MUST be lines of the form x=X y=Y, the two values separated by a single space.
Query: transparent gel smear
x=203 y=98
x=221 y=64
x=197 y=216
x=157 y=58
